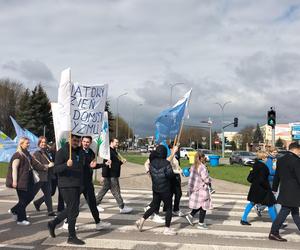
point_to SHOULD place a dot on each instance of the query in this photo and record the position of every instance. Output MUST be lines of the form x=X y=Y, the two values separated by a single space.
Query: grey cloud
x=32 y=70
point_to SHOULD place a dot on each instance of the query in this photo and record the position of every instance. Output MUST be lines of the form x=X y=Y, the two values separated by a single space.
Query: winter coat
x=115 y=169
x=161 y=171
x=23 y=170
x=287 y=177
x=69 y=176
x=198 y=188
x=260 y=191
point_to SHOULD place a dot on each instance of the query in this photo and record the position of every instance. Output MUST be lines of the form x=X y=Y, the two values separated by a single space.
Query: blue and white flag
x=20 y=132
x=103 y=140
x=168 y=124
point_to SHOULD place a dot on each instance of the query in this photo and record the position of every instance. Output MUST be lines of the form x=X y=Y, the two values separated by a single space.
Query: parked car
x=242 y=157
x=143 y=149
x=184 y=152
x=206 y=152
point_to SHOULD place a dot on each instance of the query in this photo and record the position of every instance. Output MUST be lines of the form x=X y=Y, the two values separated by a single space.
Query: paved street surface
x=224 y=231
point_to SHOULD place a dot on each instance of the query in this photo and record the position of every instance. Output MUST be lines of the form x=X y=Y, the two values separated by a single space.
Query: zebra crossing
x=224 y=229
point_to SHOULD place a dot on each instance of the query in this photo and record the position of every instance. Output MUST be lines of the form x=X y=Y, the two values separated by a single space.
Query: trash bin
x=214 y=160
x=191 y=156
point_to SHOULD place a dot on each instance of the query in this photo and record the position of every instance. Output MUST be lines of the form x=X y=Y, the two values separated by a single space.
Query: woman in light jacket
x=20 y=177
x=199 y=198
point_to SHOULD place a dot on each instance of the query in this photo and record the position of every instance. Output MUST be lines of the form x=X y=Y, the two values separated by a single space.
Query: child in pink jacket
x=199 y=199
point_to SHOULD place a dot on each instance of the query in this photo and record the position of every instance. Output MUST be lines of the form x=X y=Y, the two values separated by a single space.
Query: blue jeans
x=250 y=205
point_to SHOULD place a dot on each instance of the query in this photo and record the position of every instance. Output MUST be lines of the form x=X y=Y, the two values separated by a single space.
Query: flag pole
x=70 y=133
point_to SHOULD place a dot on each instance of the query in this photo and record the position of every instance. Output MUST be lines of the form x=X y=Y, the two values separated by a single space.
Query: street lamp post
x=209 y=126
x=133 y=118
x=172 y=86
x=223 y=139
x=117 y=120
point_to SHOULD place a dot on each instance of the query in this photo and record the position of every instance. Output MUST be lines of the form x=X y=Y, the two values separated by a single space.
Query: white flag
x=103 y=140
x=186 y=98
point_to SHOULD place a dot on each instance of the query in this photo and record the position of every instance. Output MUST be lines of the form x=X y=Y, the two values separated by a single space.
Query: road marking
x=138 y=244
x=16 y=246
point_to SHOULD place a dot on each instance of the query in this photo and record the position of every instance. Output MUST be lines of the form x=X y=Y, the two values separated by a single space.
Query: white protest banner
x=61 y=134
x=87 y=108
x=103 y=140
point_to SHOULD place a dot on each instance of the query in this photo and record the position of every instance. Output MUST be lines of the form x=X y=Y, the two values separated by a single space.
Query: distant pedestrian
x=111 y=175
x=20 y=176
x=287 y=178
x=199 y=195
x=161 y=174
x=260 y=191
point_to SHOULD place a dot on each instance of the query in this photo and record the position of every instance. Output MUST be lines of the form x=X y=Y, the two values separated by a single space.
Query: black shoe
x=245 y=223
x=276 y=237
x=75 y=241
x=37 y=207
x=283 y=226
x=52 y=214
x=51 y=228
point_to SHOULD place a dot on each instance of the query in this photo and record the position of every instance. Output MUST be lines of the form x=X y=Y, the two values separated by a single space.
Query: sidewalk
x=134 y=176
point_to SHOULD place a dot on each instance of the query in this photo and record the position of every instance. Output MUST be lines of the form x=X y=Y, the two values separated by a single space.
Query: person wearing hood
x=161 y=173
x=70 y=182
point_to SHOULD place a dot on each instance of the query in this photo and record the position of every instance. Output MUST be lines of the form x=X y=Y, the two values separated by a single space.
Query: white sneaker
x=13 y=216
x=23 y=223
x=65 y=226
x=178 y=213
x=202 y=226
x=169 y=231
x=158 y=219
x=100 y=209
x=189 y=218
x=103 y=225
x=125 y=210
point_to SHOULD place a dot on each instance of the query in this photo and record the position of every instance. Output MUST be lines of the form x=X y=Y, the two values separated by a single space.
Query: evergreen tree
x=23 y=115
x=258 y=136
x=279 y=143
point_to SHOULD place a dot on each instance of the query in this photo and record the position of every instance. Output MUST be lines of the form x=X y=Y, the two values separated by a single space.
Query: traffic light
x=272 y=118
x=235 y=122
x=225 y=140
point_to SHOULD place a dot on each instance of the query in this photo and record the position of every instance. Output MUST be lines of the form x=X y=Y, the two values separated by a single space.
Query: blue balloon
x=186 y=171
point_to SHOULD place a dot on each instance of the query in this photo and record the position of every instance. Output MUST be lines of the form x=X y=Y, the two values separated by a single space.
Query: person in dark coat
x=88 y=186
x=44 y=157
x=260 y=191
x=161 y=173
x=287 y=178
x=111 y=174
x=70 y=182
x=20 y=177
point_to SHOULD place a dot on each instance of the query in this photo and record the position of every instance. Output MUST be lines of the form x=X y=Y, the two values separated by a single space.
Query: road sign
x=217 y=142
x=203 y=138
x=296 y=137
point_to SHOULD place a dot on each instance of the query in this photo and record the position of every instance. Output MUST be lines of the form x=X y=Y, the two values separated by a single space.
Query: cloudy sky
x=246 y=52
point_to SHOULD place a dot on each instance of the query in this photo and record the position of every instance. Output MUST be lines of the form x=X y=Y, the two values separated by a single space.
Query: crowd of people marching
x=275 y=184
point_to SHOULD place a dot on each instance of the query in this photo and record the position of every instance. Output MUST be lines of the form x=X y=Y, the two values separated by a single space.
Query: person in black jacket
x=88 y=186
x=287 y=178
x=161 y=174
x=70 y=182
x=111 y=174
x=260 y=191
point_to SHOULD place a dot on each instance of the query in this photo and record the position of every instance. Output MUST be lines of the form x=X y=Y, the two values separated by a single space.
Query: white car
x=206 y=152
x=184 y=152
